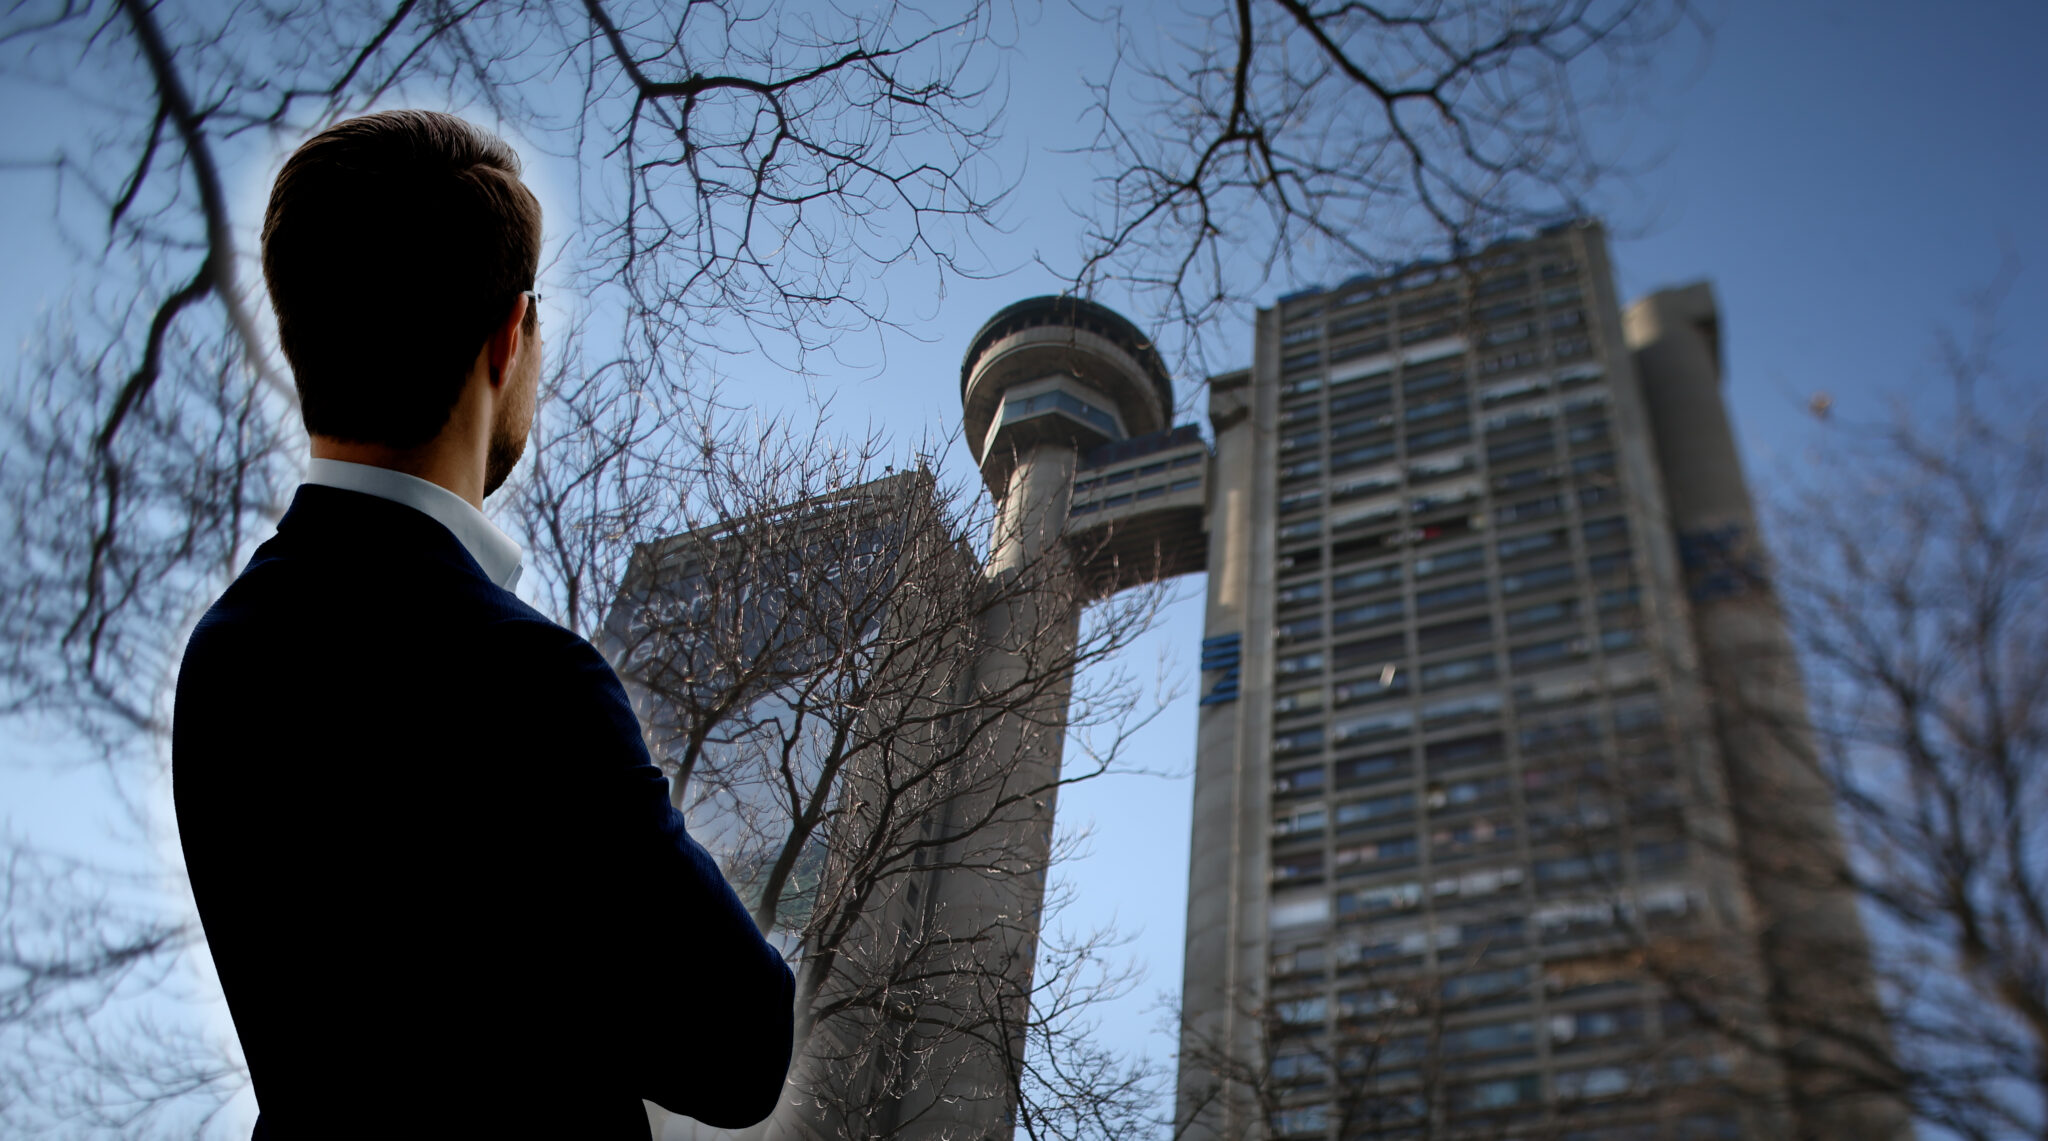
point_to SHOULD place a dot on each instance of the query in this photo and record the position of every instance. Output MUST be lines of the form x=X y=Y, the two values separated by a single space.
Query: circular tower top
x=1070 y=361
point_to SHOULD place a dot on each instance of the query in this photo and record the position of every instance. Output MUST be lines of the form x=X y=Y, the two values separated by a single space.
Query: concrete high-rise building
x=1467 y=797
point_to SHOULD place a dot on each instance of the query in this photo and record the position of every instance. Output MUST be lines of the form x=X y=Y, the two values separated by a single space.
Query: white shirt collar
x=496 y=553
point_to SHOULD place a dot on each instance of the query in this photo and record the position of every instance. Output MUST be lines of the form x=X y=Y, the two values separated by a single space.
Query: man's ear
x=507 y=341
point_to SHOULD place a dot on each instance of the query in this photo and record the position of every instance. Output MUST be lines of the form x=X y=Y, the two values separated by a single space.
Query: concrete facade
x=1470 y=819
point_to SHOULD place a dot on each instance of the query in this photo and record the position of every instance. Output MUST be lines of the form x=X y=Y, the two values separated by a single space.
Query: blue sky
x=1843 y=173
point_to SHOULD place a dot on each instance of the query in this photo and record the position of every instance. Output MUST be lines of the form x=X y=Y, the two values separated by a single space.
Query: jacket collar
x=336 y=522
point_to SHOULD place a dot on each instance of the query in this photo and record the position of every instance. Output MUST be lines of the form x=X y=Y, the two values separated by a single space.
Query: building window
x=1539 y=578
x=1659 y=857
x=1598 y=1026
x=1602 y=566
x=1470 y=838
x=1507 y=283
x=1594 y=1083
x=1479 y=987
x=1298 y=741
x=1301 y=1011
x=1355 y=457
x=1298 y=782
x=1461 y=709
x=1602 y=867
x=1374 y=810
x=1429 y=410
x=1381 y=855
x=1440 y=467
x=1379 y=900
x=1514 y=1036
x=1618 y=598
x=1373 y=769
x=1460 y=633
x=1368 y=614
x=1298 y=664
x=1344 y=398
x=1059 y=401
x=1514 y=418
x=1371 y=578
x=1447 y=597
x=1369 y=319
x=1299 y=701
x=1541 y=507
x=1540 y=655
x=1512 y=390
x=1302 y=868
x=1471 y=793
x=1464 y=752
x=1301 y=529
x=1299 y=1120
x=1309 y=591
x=1614 y=526
x=1377 y=725
x=1517 y=546
x=1458 y=671
x=1444 y=562
x=1500 y=454
x=1371 y=483
x=1543 y=614
x=1371 y=651
x=1571 y=348
x=1439 y=438
x=1360 y=426
x=1297 y=500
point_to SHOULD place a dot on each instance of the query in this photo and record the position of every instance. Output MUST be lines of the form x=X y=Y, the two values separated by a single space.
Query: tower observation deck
x=1068 y=404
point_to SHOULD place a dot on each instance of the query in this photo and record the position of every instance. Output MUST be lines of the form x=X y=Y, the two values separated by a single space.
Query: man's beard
x=506 y=446
x=502 y=457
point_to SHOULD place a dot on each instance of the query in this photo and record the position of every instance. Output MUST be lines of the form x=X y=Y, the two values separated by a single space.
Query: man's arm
x=717 y=1048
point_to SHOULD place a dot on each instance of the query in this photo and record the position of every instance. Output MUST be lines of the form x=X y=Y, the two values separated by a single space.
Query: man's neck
x=432 y=462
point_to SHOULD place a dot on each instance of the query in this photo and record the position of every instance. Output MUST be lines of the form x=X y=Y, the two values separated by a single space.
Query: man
x=441 y=880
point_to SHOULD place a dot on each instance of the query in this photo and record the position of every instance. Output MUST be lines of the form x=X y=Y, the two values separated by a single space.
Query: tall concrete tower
x=1500 y=732
x=1045 y=382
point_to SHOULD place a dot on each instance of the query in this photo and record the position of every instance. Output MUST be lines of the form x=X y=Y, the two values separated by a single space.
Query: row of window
x=1397 y=943
x=1362 y=411
x=1516 y=464
x=1638 y=722
x=1431 y=317
x=1112 y=502
x=1509 y=550
x=1374 y=531
x=1125 y=475
x=1398 y=1115
x=1620 y=631
x=1597 y=867
x=1556 y=263
x=1057 y=400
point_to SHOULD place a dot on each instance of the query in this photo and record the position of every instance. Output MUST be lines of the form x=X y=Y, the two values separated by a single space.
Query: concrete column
x=1223 y=975
x=1029 y=639
x=1809 y=933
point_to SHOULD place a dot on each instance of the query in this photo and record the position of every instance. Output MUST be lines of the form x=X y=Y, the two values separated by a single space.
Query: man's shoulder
x=288 y=599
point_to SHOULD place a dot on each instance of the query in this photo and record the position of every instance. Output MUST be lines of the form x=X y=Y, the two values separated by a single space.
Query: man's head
x=397 y=247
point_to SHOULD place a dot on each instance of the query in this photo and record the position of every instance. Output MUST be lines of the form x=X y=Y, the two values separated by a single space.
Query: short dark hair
x=393 y=245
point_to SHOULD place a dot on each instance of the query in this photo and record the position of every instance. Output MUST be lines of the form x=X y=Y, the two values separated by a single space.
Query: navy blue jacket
x=439 y=875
